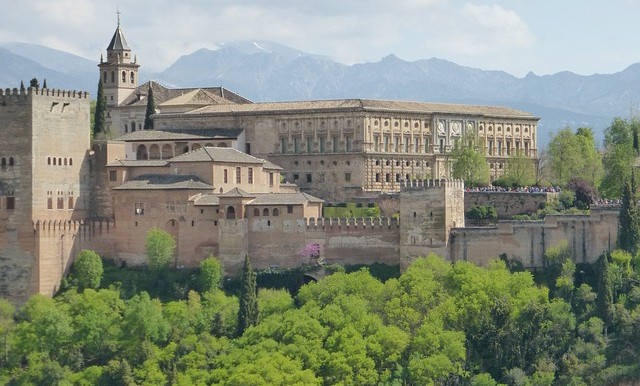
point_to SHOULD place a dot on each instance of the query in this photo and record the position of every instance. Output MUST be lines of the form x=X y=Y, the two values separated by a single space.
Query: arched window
x=105 y=77
x=60 y=161
x=256 y=212
x=11 y=161
x=70 y=161
x=65 y=162
x=265 y=212
x=126 y=128
x=167 y=151
x=133 y=126
x=231 y=213
x=48 y=160
x=195 y=146
x=3 y=162
x=124 y=76
x=54 y=161
x=275 y=212
x=154 y=151
x=132 y=78
x=141 y=153
x=113 y=76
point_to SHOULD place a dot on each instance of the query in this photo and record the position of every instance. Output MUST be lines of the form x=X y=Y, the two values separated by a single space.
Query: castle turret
x=119 y=73
x=428 y=211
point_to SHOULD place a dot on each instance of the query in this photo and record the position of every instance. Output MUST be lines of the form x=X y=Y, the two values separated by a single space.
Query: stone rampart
x=508 y=204
x=587 y=235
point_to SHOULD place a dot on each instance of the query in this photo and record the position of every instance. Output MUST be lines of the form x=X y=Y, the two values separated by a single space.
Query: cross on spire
x=118 y=13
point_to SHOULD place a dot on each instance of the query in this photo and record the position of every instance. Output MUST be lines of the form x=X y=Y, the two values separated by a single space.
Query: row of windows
x=225 y=176
x=60 y=161
x=386 y=123
x=398 y=177
x=60 y=203
x=231 y=211
x=406 y=163
x=323 y=124
x=4 y=161
x=132 y=77
x=310 y=146
x=396 y=144
x=168 y=151
x=320 y=176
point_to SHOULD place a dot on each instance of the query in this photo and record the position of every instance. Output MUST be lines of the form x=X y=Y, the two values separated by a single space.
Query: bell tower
x=119 y=73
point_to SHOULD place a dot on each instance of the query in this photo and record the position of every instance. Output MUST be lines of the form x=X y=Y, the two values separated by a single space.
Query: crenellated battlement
x=12 y=95
x=351 y=223
x=409 y=185
x=65 y=225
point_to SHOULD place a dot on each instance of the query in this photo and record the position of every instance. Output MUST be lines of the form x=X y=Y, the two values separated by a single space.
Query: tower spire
x=118 y=14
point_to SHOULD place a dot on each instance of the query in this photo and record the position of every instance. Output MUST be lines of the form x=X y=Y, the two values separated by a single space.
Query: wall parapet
x=8 y=94
x=408 y=185
x=351 y=222
x=64 y=225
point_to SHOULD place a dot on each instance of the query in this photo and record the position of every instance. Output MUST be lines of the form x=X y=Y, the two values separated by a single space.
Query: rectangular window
x=296 y=177
x=406 y=144
x=49 y=203
x=426 y=144
x=334 y=143
x=296 y=145
x=321 y=177
x=348 y=143
x=416 y=146
x=226 y=176
x=386 y=143
x=270 y=179
x=387 y=177
x=248 y=148
x=442 y=146
x=347 y=177
x=70 y=203
x=377 y=177
x=397 y=177
x=396 y=144
x=376 y=143
x=60 y=203
x=289 y=209
x=322 y=144
x=490 y=147
x=283 y=146
x=11 y=203
x=250 y=175
x=138 y=209
x=238 y=175
x=308 y=178
x=499 y=148
x=113 y=175
x=309 y=145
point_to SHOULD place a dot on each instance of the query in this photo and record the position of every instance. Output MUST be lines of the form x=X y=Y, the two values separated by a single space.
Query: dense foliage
x=437 y=323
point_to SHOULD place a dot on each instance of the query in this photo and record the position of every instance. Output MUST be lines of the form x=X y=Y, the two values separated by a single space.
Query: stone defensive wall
x=587 y=235
x=9 y=95
x=508 y=204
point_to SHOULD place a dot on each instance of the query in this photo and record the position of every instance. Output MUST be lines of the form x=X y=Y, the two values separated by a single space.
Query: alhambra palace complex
x=210 y=175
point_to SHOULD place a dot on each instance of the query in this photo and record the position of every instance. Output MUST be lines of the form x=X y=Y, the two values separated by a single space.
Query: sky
x=515 y=36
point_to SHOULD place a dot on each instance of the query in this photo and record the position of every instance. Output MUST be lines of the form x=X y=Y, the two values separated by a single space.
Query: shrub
x=87 y=270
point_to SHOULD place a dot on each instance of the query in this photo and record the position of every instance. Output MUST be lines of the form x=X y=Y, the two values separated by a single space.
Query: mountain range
x=267 y=71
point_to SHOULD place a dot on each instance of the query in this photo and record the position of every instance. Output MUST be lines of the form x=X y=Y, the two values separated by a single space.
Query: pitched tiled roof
x=283 y=199
x=236 y=192
x=180 y=134
x=162 y=94
x=260 y=198
x=165 y=181
x=196 y=97
x=364 y=105
x=118 y=42
x=141 y=163
x=270 y=166
x=219 y=154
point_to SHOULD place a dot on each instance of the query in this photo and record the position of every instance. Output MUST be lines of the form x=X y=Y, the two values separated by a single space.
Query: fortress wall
x=508 y=204
x=587 y=235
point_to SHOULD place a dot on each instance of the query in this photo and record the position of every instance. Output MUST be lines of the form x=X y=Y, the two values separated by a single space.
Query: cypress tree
x=248 y=312
x=101 y=106
x=605 y=292
x=44 y=84
x=629 y=223
x=22 y=89
x=151 y=109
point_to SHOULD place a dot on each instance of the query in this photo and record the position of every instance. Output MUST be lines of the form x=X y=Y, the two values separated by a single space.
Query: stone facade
x=44 y=178
x=509 y=204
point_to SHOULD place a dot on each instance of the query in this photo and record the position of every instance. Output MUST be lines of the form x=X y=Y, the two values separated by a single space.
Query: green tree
x=100 y=121
x=160 y=247
x=619 y=155
x=44 y=83
x=34 y=83
x=574 y=155
x=211 y=274
x=519 y=170
x=22 y=88
x=248 y=312
x=469 y=161
x=87 y=270
x=629 y=222
x=604 y=301
x=151 y=109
